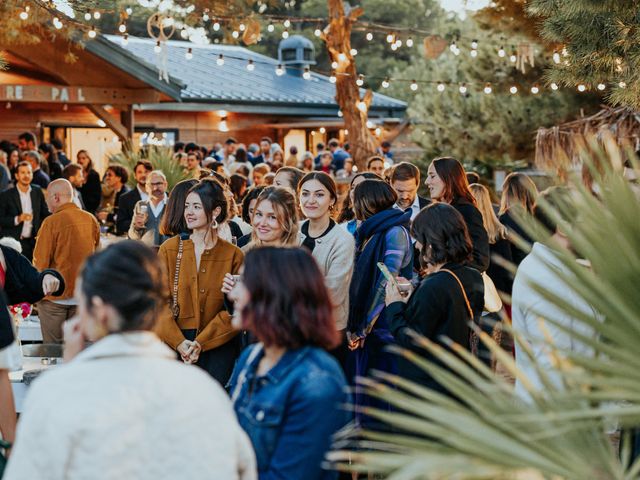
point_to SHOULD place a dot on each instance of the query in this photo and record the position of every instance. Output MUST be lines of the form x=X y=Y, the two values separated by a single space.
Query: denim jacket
x=291 y=412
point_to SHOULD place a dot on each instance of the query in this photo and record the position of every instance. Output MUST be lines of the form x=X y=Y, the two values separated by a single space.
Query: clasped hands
x=189 y=351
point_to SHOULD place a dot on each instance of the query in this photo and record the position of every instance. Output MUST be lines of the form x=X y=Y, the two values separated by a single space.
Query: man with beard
x=148 y=213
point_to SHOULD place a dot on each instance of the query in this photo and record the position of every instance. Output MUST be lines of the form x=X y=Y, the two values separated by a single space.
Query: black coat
x=423 y=202
x=126 y=204
x=502 y=278
x=10 y=208
x=479 y=238
x=517 y=254
x=436 y=309
x=91 y=191
x=41 y=179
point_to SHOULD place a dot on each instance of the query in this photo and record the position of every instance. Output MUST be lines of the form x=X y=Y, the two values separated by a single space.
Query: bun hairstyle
x=212 y=196
x=127 y=276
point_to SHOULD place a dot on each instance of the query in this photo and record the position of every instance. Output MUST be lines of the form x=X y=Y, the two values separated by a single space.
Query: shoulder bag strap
x=175 y=308
x=464 y=294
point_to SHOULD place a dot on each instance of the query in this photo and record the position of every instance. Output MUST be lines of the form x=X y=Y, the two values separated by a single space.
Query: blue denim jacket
x=291 y=412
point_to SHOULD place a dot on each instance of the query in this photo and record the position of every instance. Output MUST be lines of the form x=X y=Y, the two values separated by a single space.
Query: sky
x=460 y=5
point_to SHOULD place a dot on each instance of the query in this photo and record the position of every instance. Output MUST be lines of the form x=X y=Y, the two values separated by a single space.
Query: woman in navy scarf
x=383 y=236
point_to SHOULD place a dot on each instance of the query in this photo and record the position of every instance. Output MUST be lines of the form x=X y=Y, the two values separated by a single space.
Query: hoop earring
x=214 y=225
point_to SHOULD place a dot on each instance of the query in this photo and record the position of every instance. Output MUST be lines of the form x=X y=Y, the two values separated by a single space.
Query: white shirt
x=76 y=198
x=157 y=209
x=125 y=408
x=144 y=196
x=415 y=207
x=27 y=207
x=531 y=315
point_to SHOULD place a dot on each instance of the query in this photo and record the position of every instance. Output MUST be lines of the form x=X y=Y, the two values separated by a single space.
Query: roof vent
x=296 y=53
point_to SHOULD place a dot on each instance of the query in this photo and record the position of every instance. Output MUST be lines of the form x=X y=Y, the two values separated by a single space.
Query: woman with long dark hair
x=92 y=189
x=198 y=326
x=448 y=298
x=144 y=413
x=447 y=182
x=173 y=222
x=347 y=217
x=288 y=392
x=519 y=195
x=50 y=155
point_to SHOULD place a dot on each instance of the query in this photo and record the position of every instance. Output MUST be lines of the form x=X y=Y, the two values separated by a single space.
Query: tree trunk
x=338 y=40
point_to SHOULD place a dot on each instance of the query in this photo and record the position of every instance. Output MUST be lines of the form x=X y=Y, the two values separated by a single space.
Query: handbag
x=175 y=307
x=492 y=300
x=473 y=337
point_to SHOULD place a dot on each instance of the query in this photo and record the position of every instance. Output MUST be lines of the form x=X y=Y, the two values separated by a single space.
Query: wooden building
x=114 y=93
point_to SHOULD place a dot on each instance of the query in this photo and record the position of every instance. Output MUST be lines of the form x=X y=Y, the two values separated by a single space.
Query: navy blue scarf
x=370 y=248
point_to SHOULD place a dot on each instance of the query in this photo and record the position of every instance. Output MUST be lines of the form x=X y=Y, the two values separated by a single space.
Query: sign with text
x=69 y=94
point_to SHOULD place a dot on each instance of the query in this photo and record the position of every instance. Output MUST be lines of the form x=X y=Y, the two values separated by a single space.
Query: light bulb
x=399 y=43
x=87 y=16
x=601 y=86
x=456 y=52
x=342 y=57
x=96 y=15
x=157 y=48
x=360 y=80
x=488 y=89
x=474 y=45
x=306 y=74
x=287 y=23
x=390 y=38
x=334 y=65
x=235 y=34
x=409 y=42
x=554 y=86
x=184 y=34
x=394 y=47
x=378 y=131
x=453 y=47
x=581 y=88
x=279 y=70
x=189 y=54
x=57 y=23
x=369 y=124
x=535 y=90
x=501 y=52
x=414 y=85
x=24 y=14
x=242 y=27
x=205 y=18
x=369 y=36
x=362 y=106
x=513 y=58
x=440 y=87
x=385 y=83
x=556 y=57
x=129 y=10
x=220 y=60
x=216 y=26
x=250 y=66
x=340 y=114
x=463 y=89
x=270 y=27
x=122 y=28
x=317 y=32
x=222 y=126
x=473 y=53
x=333 y=78
x=622 y=84
x=353 y=52
x=92 y=32
x=323 y=130
x=513 y=90
x=285 y=34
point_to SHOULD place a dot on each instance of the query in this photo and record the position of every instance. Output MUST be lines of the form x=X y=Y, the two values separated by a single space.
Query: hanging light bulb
x=340 y=114
x=440 y=87
x=279 y=70
x=125 y=39
x=463 y=88
x=554 y=86
x=360 y=80
x=556 y=57
x=474 y=44
x=342 y=57
x=369 y=124
x=362 y=106
x=317 y=32
x=222 y=126
x=25 y=13
x=535 y=90
x=285 y=34
x=216 y=26
x=333 y=78
x=378 y=131
x=394 y=46
x=399 y=43
x=601 y=86
x=581 y=88
x=414 y=85
x=250 y=66
x=488 y=89
x=353 y=52
x=189 y=54
x=87 y=16
x=513 y=90
x=96 y=15
x=390 y=38
x=92 y=33
x=129 y=10
x=453 y=47
x=456 y=52
x=501 y=52
x=287 y=23
x=122 y=28
x=369 y=36
x=513 y=58
x=334 y=65
x=270 y=28
x=409 y=42
x=323 y=130
x=205 y=17
x=473 y=53
x=220 y=60
x=242 y=27
x=622 y=84
x=157 y=48
x=57 y=23
x=385 y=83
x=235 y=34
x=306 y=74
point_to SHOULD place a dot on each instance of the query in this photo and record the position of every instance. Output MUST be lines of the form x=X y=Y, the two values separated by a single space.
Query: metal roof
x=232 y=84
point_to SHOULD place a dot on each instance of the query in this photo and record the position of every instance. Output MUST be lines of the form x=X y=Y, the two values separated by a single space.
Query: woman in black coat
x=448 y=298
x=447 y=182
x=91 y=191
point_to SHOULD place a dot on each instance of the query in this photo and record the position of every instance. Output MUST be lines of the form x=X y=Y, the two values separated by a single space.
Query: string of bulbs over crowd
x=393 y=36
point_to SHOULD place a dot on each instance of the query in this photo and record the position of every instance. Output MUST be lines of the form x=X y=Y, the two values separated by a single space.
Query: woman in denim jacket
x=288 y=392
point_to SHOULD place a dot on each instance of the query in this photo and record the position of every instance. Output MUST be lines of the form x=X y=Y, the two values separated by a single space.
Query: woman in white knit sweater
x=332 y=247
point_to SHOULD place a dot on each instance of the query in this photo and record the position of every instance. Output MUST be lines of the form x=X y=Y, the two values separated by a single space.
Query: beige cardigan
x=335 y=255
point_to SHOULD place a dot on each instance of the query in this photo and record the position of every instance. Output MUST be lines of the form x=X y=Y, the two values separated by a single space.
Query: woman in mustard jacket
x=197 y=325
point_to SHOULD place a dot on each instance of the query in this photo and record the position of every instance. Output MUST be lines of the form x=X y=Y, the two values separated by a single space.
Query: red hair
x=456 y=185
x=293 y=311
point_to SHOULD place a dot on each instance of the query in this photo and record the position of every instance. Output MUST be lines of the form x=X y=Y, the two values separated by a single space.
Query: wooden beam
x=72 y=94
x=112 y=122
x=127 y=118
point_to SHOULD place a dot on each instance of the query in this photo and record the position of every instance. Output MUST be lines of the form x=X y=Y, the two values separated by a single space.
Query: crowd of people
x=253 y=277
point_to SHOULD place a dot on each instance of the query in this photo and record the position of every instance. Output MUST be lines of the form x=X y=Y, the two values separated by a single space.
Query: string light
x=317 y=32
x=129 y=10
x=220 y=60
x=362 y=106
x=122 y=28
x=378 y=131
x=501 y=52
x=581 y=88
x=554 y=86
x=242 y=27
x=333 y=78
x=463 y=88
x=279 y=70
x=87 y=16
x=92 y=33
x=369 y=124
x=473 y=53
x=414 y=85
x=535 y=90
x=25 y=13
x=453 y=47
x=235 y=34
x=513 y=90
x=353 y=52
x=157 y=48
x=270 y=28
x=205 y=17
x=360 y=80
x=340 y=114
x=323 y=130
x=488 y=89
x=250 y=66
x=440 y=87
x=57 y=23
x=513 y=58
x=601 y=86
x=285 y=34
x=189 y=54
x=216 y=26
x=556 y=57
x=342 y=57
x=306 y=74
x=385 y=83
x=369 y=36
x=474 y=44
x=287 y=23
x=409 y=42
x=398 y=43
x=391 y=38
x=96 y=15
x=394 y=46
x=622 y=84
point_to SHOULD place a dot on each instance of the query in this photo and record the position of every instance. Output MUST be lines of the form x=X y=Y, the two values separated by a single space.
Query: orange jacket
x=199 y=297
x=64 y=241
